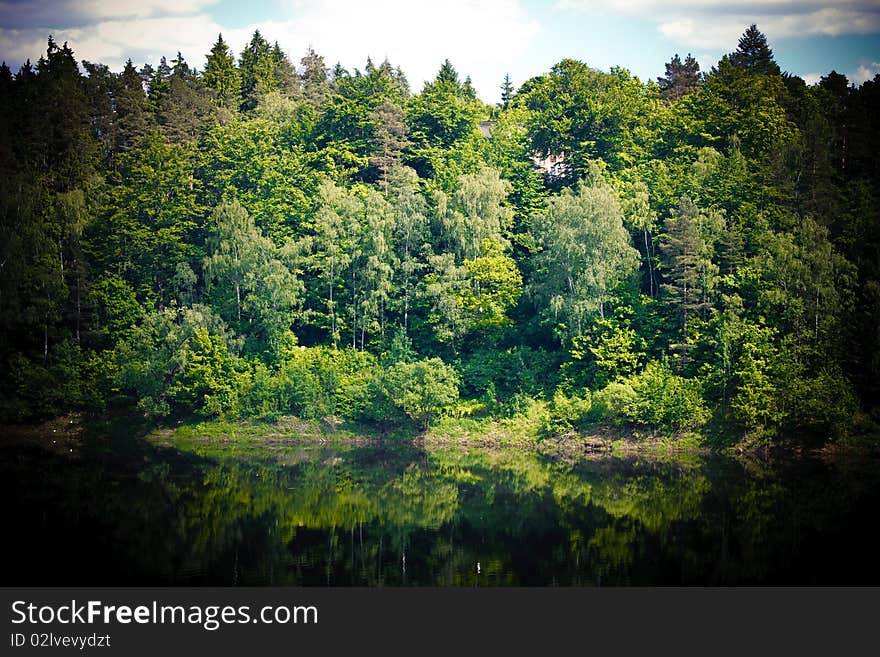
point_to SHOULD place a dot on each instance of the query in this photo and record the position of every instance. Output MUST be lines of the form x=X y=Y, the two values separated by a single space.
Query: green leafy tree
x=422 y=389
x=179 y=360
x=259 y=294
x=586 y=252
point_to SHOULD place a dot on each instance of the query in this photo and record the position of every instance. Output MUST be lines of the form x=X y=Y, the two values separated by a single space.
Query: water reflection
x=384 y=515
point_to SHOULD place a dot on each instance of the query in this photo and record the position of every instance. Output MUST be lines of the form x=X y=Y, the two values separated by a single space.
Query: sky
x=484 y=39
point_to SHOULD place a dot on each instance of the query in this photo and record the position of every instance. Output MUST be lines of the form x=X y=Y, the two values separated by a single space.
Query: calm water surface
x=132 y=512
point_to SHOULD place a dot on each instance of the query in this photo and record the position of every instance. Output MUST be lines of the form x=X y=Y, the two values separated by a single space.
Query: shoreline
x=66 y=434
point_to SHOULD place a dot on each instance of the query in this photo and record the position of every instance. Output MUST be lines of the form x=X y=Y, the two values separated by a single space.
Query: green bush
x=422 y=389
x=180 y=360
x=665 y=401
x=611 y=404
x=824 y=403
x=567 y=414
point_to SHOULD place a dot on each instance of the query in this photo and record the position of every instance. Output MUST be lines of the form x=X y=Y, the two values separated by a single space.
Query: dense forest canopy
x=264 y=238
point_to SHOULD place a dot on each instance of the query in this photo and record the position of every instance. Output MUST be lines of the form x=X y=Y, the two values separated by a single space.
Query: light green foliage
x=260 y=164
x=568 y=414
x=443 y=286
x=613 y=402
x=664 y=400
x=611 y=349
x=255 y=287
x=354 y=258
x=586 y=253
x=411 y=233
x=756 y=402
x=807 y=283
x=475 y=213
x=586 y=114
x=179 y=360
x=508 y=151
x=443 y=128
x=422 y=389
x=495 y=287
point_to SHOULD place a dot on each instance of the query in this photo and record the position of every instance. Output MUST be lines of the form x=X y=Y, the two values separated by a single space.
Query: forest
x=696 y=255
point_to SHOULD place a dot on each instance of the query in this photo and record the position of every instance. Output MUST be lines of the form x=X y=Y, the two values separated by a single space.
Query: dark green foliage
x=681 y=78
x=221 y=76
x=753 y=54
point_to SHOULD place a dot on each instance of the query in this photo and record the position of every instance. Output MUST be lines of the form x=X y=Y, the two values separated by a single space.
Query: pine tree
x=389 y=122
x=286 y=79
x=221 y=75
x=316 y=86
x=681 y=78
x=183 y=109
x=507 y=91
x=131 y=108
x=256 y=67
x=753 y=54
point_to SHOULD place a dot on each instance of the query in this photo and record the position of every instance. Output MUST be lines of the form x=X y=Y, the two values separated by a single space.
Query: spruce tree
x=221 y=75
x=507 y=91
x=753 y=54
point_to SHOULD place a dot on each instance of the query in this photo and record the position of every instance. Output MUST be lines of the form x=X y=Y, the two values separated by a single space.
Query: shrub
x=567 y=414
x=422 y=389
x=664 y=400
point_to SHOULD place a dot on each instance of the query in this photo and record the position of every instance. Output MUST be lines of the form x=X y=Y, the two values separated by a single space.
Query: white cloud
x=865 y=72
x=811 y=78
x=481 y=37
x=112 y=42
x=101 y=9
x=708 y=24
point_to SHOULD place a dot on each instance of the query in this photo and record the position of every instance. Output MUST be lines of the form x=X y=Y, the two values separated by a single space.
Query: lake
x=128 y=511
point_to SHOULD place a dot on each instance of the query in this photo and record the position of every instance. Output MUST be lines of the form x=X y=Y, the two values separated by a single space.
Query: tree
x=264 y=68
x=180 y=360
x=583 y=114
x=184 y=109
x=316 y=85
x=475 y=213
x=258 y=162
x=688 y=247
x=753 y=54
x=495 y=286
x=389 y=136
x=586 y=253
x=252 y=278
x=221 y=76
x=353 y=257
x=681 y=78
x=132 y=120
x=442 y=115
x=422 y=389
x=411 y=233
x=507 y=91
